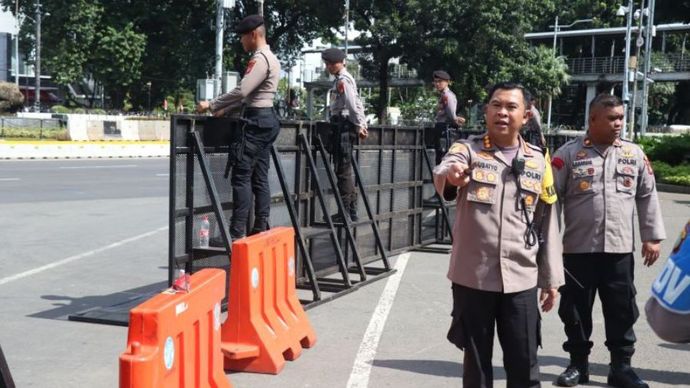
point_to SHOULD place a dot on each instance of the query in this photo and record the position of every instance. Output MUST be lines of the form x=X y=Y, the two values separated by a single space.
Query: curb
x=667 y=188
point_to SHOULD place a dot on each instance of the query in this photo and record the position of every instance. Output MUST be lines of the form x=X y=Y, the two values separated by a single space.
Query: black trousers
x=612 y=276
x=343 y=138
x=518 y=324
x=250 y=171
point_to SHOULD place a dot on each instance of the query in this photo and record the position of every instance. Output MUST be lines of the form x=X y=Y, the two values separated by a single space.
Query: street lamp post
x=16 y=44
x=556 y=30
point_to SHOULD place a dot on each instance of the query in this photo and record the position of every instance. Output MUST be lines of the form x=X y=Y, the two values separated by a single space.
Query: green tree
x=117 y=60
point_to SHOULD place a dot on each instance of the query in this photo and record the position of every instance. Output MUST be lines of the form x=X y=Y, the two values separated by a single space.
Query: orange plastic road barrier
x=266 y=323
x=174 y=338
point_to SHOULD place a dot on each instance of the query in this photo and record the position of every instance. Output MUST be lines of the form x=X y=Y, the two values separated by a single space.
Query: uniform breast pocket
x=531 y=188
x=583 y=177
x=482 y=186
x=626 y=179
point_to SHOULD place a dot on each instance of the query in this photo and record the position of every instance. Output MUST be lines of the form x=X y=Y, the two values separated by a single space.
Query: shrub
x=676 y=175
x=59 y=109
x=673 y=150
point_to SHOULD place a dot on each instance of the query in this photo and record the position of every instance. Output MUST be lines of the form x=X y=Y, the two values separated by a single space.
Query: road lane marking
x=9 y=179
x=162 y=174
x=78 y=257
x=96 y=167
x=359 y=377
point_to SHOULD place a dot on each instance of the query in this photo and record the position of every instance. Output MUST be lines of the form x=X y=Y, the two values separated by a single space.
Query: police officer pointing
x=254 y=95
x=506 y=243
x=348 y=120
x=600 y=179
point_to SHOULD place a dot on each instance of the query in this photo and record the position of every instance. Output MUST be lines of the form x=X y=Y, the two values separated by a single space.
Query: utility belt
x=253 y=119
x=337 y=135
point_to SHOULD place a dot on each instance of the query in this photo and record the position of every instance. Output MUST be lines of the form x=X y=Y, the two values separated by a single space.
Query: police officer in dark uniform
x=446 y=119
x=251 y=155
x=348 y=121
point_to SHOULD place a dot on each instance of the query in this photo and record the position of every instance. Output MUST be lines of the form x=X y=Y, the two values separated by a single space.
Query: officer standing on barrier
x=347 y=121
x=504 y=249
x=446 y=119
x=668 y=309
x=250 y=156
x=600 y=179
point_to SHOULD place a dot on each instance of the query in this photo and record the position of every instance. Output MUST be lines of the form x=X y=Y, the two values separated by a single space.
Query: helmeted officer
x=446 y=117
x=506 y=243
x=254 y=96
x=668 y=309
x=348 y=121
x=600 y=179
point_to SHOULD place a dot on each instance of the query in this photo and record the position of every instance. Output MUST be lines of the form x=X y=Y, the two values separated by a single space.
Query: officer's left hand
x=650 y=252
x=459 y=120
x=363 y=133
x=547 y=298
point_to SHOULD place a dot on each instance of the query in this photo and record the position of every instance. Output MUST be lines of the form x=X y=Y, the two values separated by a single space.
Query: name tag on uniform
x=583 y=171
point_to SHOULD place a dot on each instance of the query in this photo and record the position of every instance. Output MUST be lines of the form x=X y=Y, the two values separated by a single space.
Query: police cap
x=333 y=55
x=440 y=74
x=249 y=23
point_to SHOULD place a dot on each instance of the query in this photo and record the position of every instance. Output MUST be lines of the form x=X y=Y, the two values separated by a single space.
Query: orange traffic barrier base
x=266 y=323
x=174 y=338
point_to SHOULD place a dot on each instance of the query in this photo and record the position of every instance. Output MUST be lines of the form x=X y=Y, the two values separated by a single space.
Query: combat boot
x=260 y=225
x=622 y=374
x=576 y=373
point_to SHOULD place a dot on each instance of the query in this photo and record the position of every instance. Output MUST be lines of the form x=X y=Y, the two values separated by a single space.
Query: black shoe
x=431 y=201
x=260 y=225
x=353 y=216
x=338 y=218
x=572 y=376
x=624 y=376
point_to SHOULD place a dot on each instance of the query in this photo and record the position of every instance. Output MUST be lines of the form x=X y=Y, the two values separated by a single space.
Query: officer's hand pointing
x=457 y=174
x=650 y=252
x=548 y=298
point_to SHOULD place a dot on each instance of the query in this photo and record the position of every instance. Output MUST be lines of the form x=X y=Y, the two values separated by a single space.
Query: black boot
x=260 y=225
x=576 y=373
x=622 y=374
x=353 y=213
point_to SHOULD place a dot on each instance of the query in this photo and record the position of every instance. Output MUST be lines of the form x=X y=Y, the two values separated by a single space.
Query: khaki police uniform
x=250 y=161
x=347 y=116
x=495 y=272
x=598 y=191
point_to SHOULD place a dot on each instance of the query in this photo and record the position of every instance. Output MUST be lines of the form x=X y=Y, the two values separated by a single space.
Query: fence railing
x=615 y=65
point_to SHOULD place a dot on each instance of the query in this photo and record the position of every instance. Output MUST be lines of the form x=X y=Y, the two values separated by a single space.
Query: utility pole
x=261 y=7
x=639 y=14
x=649 y=35
x=16 y=43
x=555 y=54
x=626 y=70
x=37 y=90
x=220 y=29
x=347 y=23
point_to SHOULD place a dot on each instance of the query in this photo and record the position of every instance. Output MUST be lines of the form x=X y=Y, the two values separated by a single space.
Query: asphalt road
x=76 y=234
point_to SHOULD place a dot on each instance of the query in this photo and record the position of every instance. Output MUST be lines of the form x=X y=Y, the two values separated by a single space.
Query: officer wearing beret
x=506 y=243
x=445 y=114
x=348 y=121
x=600 y=180
x=254 y=96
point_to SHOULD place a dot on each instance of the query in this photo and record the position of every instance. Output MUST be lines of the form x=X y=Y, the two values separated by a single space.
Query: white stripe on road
x=359 y=378
x=9 y=179
x=88 y=167
x=162 y=174
x=78 y=257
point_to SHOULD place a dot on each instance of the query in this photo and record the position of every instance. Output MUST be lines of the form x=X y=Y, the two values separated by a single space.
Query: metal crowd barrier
x=393 y=173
